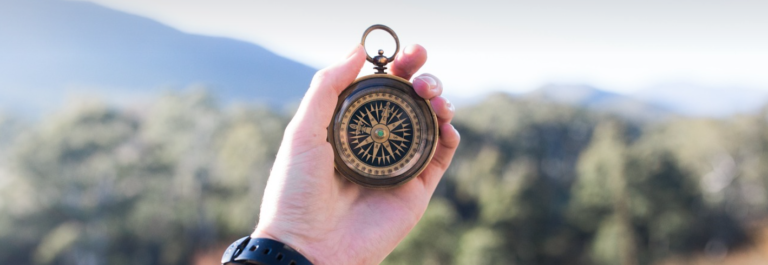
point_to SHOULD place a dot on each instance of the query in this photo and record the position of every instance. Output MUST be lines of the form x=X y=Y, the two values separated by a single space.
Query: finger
x=446 y=147
x=427 y=86
x=443 y=108
x=409 y=61
x=317 y=106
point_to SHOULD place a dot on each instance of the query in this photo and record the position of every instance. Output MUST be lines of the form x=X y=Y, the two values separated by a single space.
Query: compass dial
x=379 y=134
x=382 y=132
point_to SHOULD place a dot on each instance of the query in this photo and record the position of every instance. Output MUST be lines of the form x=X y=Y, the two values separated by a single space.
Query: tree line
x=533 y=182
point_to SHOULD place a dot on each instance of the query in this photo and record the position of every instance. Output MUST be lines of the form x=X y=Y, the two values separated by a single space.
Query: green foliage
x=95 y=184
x=433 y=241
x=533 y=182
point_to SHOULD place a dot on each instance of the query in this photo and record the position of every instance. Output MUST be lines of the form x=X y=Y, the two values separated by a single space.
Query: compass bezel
x=426 y=145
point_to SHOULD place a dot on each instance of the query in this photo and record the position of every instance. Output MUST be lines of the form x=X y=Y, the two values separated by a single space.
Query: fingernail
x=450 y=106
x=429 y=80
x=408 y=49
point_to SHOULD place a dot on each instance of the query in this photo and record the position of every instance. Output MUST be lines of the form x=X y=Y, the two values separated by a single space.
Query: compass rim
x=430 y=134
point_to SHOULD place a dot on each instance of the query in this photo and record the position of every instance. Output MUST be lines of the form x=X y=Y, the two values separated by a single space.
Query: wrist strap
x=262 y=251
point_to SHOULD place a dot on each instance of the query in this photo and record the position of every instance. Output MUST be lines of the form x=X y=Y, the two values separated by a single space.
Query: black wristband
x=262 y=251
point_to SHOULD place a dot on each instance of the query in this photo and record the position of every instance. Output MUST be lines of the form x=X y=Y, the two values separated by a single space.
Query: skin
x=310 y=207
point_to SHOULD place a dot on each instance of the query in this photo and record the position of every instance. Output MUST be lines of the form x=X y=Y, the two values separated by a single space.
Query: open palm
x=310 y=207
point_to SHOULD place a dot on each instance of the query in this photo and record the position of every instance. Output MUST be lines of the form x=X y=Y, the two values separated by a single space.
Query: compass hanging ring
x=380 y=60
x=383 y=134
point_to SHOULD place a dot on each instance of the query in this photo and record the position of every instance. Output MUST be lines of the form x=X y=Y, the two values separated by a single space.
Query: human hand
x=330 y=220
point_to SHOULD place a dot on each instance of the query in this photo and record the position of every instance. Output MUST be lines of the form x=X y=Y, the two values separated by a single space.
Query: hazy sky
x=477 y=46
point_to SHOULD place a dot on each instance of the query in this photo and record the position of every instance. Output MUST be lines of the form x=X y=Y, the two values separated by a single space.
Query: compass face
x=380 y=134
x=383 y=133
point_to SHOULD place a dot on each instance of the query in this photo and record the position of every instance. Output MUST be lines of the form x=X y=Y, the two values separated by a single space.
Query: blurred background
x=593 y=132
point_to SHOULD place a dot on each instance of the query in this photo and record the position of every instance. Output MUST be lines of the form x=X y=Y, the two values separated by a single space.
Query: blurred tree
x=246 y=151
x=433 y=242
x=67 y=186
x=600 y=204
x=99 y=186
x=511 y=178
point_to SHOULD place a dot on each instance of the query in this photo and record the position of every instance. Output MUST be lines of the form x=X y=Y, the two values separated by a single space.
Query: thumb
x=317 y=106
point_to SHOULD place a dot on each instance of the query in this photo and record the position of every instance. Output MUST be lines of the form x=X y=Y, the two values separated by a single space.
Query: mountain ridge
x=54 y=47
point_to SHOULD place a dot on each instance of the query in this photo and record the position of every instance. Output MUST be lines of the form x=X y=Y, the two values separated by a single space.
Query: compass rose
x=380 y=133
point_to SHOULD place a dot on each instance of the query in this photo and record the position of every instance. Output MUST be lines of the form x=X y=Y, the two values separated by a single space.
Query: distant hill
x=657 y=102
x=698 y=100
x=599 y=100
x=50 y=49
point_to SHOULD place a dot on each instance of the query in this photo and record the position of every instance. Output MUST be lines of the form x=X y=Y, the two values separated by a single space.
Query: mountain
x=52 y=49
x=600 y=100
x=700 y=100
x=657 y=102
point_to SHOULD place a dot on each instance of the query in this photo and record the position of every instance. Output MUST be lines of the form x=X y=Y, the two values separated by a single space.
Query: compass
x=383 y=133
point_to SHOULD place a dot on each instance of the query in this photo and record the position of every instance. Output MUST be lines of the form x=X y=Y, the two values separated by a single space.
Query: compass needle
x=394 y=125
x=376 y=147
x=397 y=138
x=371 y=118
x=389 y=149
x=385 y=115
x=395 y=113
x=366 y=154
x=360 y=116
x=398 y=148
x=365 y=142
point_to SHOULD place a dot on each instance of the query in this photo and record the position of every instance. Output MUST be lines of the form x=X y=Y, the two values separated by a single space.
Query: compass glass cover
x=382 y=132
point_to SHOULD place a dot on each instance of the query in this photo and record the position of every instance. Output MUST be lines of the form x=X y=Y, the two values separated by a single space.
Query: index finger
x=409 y=61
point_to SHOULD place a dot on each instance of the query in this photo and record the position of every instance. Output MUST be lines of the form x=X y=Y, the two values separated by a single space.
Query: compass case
x=383 y=133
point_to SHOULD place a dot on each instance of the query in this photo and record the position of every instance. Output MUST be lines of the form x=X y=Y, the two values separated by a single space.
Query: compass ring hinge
x=381 y=60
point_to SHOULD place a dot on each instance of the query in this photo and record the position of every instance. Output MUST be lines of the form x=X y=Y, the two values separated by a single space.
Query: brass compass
x=382 y=132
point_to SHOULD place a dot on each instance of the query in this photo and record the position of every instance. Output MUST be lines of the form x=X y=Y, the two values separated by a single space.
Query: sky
x=514 y=46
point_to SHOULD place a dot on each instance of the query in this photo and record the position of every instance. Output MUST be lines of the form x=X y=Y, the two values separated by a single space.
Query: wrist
x=262 y=251
x=287 y=239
